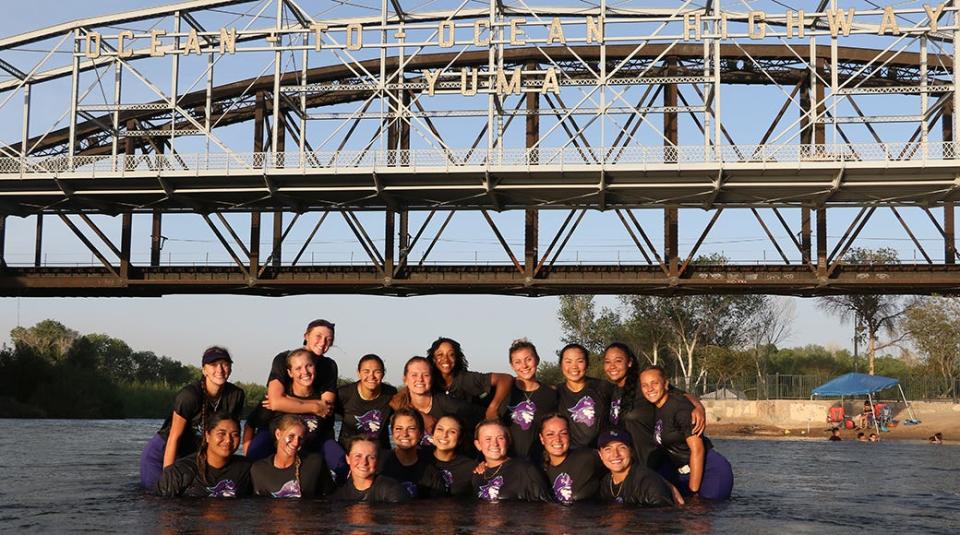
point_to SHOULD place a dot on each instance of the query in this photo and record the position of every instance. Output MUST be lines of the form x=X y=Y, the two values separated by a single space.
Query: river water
x=73 y=476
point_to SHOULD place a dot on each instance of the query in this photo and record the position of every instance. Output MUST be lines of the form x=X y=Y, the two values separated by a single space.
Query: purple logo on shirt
x=369 y=422
x=491 y=491
x=447 y=478
x=410 y=487
x=658 y=431
x=426 y=440
x=290 y=489
x=522 y=414
x=311 y=422
x=223 y=489
x=615 y=412
x=563 y=488
x=584 y=412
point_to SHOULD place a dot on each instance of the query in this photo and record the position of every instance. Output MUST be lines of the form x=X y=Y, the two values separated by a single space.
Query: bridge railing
x=463 y=159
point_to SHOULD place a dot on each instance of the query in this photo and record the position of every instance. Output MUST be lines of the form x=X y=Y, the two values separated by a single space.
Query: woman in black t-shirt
x=364 y=406
x=456 y=470
x=529 y=401
x=630 y=483
x=505 y=478
x=451 y=376
x=406 y=463
x=195 y=403
x=286 y=474
x=418 y=394
x=585 y=400
x=364 y=484
x=214 y=472
x=574 y=475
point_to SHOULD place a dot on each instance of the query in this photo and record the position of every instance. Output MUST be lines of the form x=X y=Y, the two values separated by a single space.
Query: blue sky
x=256 y=328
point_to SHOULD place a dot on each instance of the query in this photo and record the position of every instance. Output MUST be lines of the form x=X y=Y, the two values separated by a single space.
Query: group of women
x=448 y=431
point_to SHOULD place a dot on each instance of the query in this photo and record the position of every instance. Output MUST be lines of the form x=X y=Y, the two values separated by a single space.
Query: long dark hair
x=202 y=452
x=460 y=363
x=552 y=416
x=631 y=380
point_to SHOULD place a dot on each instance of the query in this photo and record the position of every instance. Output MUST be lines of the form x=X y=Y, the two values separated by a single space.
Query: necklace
x=619 y=487
x=495 y=472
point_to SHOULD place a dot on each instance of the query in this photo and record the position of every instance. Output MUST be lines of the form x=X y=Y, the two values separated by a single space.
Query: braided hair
x=631 y=380
x=202 y=451
x=287 y=421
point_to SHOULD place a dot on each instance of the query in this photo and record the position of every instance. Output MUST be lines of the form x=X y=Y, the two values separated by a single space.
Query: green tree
x=48 y=339
x=934 y=327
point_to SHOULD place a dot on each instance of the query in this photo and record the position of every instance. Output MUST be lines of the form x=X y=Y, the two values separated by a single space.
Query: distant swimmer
x=363 y=483
x=574 y=475
x=697 y=468
x=287 y=474
x=364 y=406
x=585 y=400
x=456 y=470
x=504 y=478
x=530 y=400
x=629 y=483
x=835 y=435
x=406 y=462
x=181 y=433
x=937 y=438
x=214 y=472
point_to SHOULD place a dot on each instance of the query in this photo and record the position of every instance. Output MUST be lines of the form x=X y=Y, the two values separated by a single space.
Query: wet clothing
x=577 y=477
x=444 y=405
x=361 y=416
x=640 y=421
x=419 y=480
x=314 y=480
x=515 y=479
x=525 y=411
x=182 y=478
x=717 y=480
x=189 y=404
x=266 y=421
x=325 y=380
x=642 y=486
x=466 y=386
x=587 y=410
x=457 y=474
x=383 y=490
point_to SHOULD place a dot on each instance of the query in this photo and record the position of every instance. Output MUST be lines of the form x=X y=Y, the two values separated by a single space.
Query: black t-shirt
x=466 y=386
x=269 y=480
x=318 y=429
x=640 y=421
x=444 y=405
x=361 y=416
x=189 y=404
x=642 y=486
x=383 y=490
x=577 y=478
x=587 y=410
x=672 y=428
x=182 y=479
x=325 y=379
x=457 y=474
x=515 y=479
x=525 y=411
x=420 y=480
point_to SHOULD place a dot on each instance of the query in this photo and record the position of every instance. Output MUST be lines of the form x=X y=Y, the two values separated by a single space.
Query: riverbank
x=793 y=419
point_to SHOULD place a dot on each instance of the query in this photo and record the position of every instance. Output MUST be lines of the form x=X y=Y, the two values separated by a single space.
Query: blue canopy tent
x=858 y=384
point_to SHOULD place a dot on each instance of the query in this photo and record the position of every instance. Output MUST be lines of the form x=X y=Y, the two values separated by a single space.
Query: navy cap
x=214 y=354
x=614 y=435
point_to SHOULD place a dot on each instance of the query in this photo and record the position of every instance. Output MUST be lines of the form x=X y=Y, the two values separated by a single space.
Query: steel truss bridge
x=226 y=110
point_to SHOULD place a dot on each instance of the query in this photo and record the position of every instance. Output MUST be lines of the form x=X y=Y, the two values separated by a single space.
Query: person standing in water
x=504 y=478
x=418 y=394
x=452 y=377
x=456 y=470
x=574 y=475
x=406 y=463
x=584 y=400
x=364 y=406
x=529 y=401
x=182 y=431
x=363 y=483
x=629 y=483
x=214 y=472
x=286 y=474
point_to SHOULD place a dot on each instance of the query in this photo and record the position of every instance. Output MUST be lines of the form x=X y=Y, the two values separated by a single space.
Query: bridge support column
x=126 y=235
x=38 y=247
x=949 y=245
x=531 y=234
x=389 y=234
x=3 y=239
x=821 y=242
x=254 y=244
x=671 y=251
x=156 y=241
x=805 y=237
x=277 y=241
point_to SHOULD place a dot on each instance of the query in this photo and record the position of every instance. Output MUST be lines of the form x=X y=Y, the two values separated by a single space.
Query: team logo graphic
x=290 y=489
x=311 y=421
x=584 y=412
x=619 y=499
x=426 y=440
x=223 y=489
x=369 y=422
x=658 y=431
x=447 y=479
x=522 y=414
x=410 y=487
x=491 y=491
x=615 y=412
x=563 y=488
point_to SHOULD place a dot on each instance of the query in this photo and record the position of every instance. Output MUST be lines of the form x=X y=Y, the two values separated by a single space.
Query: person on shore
x=574 y=475
x=835 y=435
x=628 y=483
x=502 y=477
x=406 y=463
x=456 y=470
x=631 y=411
x=286 y=474
x=258 y=436
x=529 y=401
x=585 y=400
x=317 y=339
x=451 y=377
x=937 y=438
x=363 y=483
x=865 y=416
x=364 y=406
x=695 y=466
x=181 y=433
x=418 y=394
x=214 y=472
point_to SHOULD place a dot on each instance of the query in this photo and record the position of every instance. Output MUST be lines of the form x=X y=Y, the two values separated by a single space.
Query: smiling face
x=615 y=365
x=524 y=363
x=555 y=437
x=445 y=358
x=406 y=432
x=573 y=364
x=370 y=374
x=290 y=440
x=302 y=369
x=217 y=372
x=492 y=442
x=616 y=457
x=362 y=459
x=318 y=339
x=654 y=386
x=223 y=439
x=446 y=434
x=417 y=378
